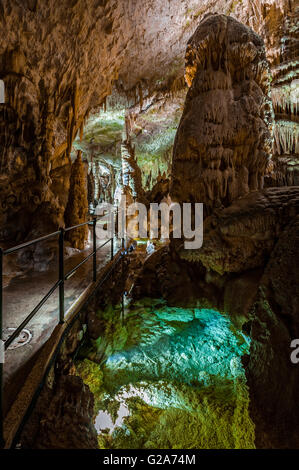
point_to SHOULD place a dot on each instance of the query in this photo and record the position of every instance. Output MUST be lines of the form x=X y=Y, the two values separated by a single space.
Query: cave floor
x=26 y=290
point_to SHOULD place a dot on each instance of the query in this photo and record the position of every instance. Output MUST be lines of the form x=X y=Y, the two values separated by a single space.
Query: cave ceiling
x=154 y=89
x=72 y=55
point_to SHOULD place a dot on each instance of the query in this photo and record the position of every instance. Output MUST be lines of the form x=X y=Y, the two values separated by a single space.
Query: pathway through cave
x=26 y=289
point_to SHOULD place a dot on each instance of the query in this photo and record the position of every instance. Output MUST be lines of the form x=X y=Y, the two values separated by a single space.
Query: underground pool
x=168 y=377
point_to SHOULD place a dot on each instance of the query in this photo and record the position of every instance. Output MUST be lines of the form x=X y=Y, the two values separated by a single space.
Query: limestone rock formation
x=223 y=143
x=166 y=275
x=59 y=61
x=242 y=236
x=62 y=418
x=77 y=208
x=90 y=187
x=131 y=174
x=247 y=267
x=160 y=190
x=278 y=23
x=272 y=377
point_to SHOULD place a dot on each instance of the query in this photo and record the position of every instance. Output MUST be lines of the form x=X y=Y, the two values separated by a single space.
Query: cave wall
x=131 y=174
x=77 y=206
x=58 y=61
x=247 y=268
x=272 y=377
x=242 y=236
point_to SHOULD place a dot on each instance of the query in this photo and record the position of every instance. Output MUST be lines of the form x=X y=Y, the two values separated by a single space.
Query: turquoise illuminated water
x=169 y=363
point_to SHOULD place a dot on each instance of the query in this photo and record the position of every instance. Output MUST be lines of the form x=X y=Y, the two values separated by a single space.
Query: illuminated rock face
x=77 y=207
x=131 y=174
x=223 y=142
x=279 y=26
x=169 y=365
x=59 y=62
x=242 y=236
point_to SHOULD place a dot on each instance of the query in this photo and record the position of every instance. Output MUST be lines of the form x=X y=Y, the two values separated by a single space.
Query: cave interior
x=117 y=103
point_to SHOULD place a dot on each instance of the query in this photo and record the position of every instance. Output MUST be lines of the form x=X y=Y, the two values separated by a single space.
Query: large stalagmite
x=223 y=143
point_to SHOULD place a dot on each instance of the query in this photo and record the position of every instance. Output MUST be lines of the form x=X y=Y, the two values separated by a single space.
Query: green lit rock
x=173 y=378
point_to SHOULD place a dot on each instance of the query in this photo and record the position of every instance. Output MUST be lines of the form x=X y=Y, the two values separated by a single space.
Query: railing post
x=123 y=288
x=61 y=276
x=112 y=235
x=2 y=351
x=112 y=248
x=94 y=237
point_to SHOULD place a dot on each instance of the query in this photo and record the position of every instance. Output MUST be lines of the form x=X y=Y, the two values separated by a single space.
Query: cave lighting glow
x=173 y=346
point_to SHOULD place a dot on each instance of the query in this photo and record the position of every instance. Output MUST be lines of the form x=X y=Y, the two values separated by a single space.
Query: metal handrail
x=101 y=246
x=31 y=242
x=60 y=283
x=62 y=277
x=119 y=257
x=77 y=226
x=30 y=316
x=72 y=271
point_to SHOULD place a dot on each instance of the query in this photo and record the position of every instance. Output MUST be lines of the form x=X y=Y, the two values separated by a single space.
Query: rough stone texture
x=58 y=61
x=273 y=379
x=280 y=29
x=242 y=236
x=262 y=230
x=160 y=190
x=90 y=187
x=62 y=418
x=165 y=275
x=131 y=174
x=223 y=142
x=77 y=207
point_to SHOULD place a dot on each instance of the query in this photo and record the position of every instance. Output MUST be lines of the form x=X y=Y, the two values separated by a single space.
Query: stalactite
x=81 y=131
x=286 y=135
x=286 y=98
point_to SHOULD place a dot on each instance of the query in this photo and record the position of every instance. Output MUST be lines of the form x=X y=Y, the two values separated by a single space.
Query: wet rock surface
x=258 y=231
x=70 y=56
